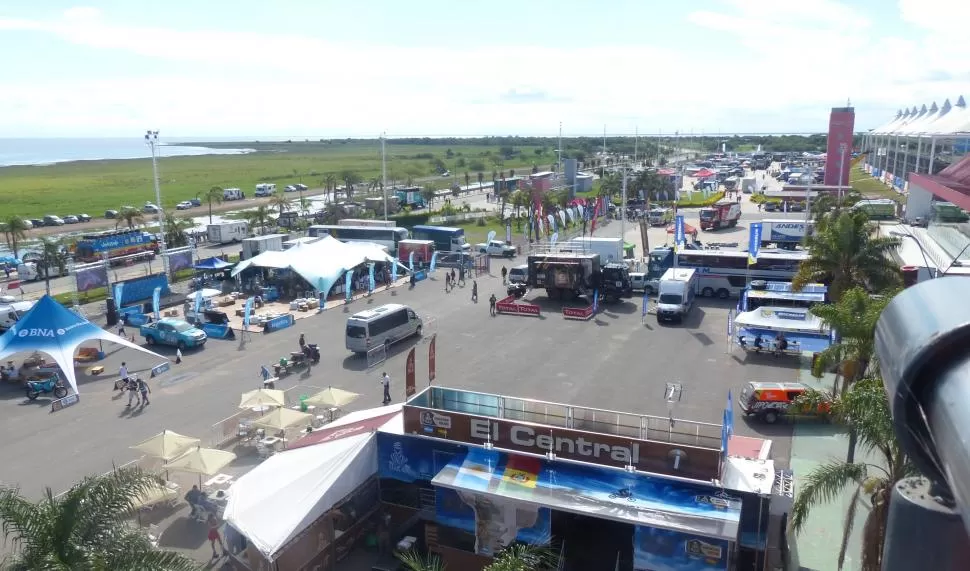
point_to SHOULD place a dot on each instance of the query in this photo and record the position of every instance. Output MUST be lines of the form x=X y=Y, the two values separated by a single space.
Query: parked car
x=150 y=208
x=301 y=186
x=52 y=220
x=289 y=188
x=110 y=214
x=70 y=219
x=184 y=205
x=28 y=223
x=36 y=222
x=84 y=217
x=196 y=202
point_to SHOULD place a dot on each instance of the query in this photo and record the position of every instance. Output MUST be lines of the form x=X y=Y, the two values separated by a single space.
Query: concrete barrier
x=509 y=306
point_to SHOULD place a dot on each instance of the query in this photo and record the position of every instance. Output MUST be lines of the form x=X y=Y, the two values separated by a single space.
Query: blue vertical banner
x=119 y=290
x=198 y=301
x=490 y=236
x=680 y=237
x=596 y=300
x=349 y=284
x=724 y=432
x=371 y=283
x=156 y=302
x=552 y=222
x=754 y=242
x=729 y=410
x=730 y=322
x=646 y=302
x=508 y=232
x=562 y=217
x=411 y=260
x=248 y=311
x=434 y=261
x=394 y=270
x=554 y=238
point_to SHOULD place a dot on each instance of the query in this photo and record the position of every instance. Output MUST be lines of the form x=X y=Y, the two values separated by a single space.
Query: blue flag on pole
x=394 y=270
x=434 y=261
x=646 y=301
x=156 y=302
x=754 y=242
x=680 y=237
x=411 y=260
x=348 y=284
x=247 y=312
x=596 y=300
x=729 y=416
x=119 y=290
x=370 y=277
x=724 y=432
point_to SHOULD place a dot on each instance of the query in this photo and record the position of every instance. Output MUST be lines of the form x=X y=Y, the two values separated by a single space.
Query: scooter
x=51 y=384
x=312 y=351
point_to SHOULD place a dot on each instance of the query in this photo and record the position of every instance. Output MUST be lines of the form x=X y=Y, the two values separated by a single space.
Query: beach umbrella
x=283 y=418
x=332 y=397
x=262 y=397
x=202 y=461
x=166 y=445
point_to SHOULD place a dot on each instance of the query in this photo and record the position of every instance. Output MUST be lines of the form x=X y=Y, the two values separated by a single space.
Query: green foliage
x=175 y=231
x=524 y=557
x=410 y=220
x=414 y=561
x=85 y=528
x=14 y=230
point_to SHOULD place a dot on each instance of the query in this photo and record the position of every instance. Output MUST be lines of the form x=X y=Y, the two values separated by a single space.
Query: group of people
x=138 y=389
x=779 y=346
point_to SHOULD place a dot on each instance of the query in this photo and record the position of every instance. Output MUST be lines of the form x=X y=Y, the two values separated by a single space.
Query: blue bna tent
x=51 y=328
x=211 y=264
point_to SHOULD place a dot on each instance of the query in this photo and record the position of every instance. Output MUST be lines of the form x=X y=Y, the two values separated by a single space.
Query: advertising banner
x=409 y=459
x=277 y=323
x=348 y=284
x=656 y=549
x=411 y=260
x=646 y=302
x=217 y=331
x=596 y=300
x=119 y=293
x=156 y=301
x=494 y=522
x=554 y=238
x=91 y=278
x=754 y=242
x=180 y=261
x=730 y=324
x=434 y=261
x=409 y=386
x=371 y=283
x=431 y=358
x=680 y=238
x=508 y=233
x=394 y=270
x=490 y=236
x=247 y=312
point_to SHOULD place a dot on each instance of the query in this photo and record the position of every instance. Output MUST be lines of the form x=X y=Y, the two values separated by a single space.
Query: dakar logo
x=39 y=332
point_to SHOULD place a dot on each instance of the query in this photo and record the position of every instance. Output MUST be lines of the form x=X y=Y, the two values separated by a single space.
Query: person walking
x=123 y=375
x=214 y=536
x=121 y=330
x=386 y=381
x=132 y=386
x=505 y=274
x=475 y=291
x=491 y=305
x=144 y=389
x=452 y=277
x=461 y=276
x=302 y=343
x=447 y=282
x=178 y=355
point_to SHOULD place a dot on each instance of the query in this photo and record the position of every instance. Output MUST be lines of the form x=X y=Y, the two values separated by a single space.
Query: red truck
x=723 y=214
x=422 y=249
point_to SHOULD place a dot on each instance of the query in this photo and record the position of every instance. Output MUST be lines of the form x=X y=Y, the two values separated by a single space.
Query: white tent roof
x=321 y=263
x=919 y=126
x=946 y=120
x=956 y=121
x=278 y=499
x=770 y=318
x=889 y=126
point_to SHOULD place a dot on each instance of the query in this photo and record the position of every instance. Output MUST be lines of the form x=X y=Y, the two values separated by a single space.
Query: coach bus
x=724 y=273
x=114 y=244
x=387 y=237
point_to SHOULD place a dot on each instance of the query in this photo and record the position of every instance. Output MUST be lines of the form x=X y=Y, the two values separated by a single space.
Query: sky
x=329 y=69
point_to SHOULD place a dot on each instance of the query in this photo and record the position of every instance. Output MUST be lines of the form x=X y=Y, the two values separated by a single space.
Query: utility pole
x=384 y=173
x=623 y=209
x=560 y=151
x=151 y=139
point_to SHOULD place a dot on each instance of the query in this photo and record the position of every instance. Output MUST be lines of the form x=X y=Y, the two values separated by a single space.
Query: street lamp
x=151 y=139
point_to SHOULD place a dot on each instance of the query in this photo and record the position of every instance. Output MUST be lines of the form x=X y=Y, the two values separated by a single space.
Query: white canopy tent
x=788 y=319
x=320 y=263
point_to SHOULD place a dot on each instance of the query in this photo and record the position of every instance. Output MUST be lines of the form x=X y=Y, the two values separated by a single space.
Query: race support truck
x=446 y=239
x=785 y=234
x=724 y=214
x=566 y=275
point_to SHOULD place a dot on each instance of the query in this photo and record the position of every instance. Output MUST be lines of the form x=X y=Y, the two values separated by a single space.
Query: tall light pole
x=151 y=139
x=384 y=173
x=623 y=209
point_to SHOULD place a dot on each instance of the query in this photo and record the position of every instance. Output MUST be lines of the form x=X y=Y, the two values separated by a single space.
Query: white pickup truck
x=496 y=248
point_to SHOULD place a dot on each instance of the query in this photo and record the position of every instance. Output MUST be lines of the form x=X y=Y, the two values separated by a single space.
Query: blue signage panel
x=159 y=369
x=65 y=402
x=217 y=331
x=795 y=315
x=277 y=323
x=137 y=319
x=657 y=549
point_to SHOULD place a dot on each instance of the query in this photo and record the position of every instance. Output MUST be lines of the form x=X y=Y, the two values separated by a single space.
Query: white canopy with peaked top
x=321 y=263
x=51 y=328
x=166 y=445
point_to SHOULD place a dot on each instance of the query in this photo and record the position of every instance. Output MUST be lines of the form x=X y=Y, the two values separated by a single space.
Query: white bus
x=725 y=273
x=387 y=237
x=370 y=223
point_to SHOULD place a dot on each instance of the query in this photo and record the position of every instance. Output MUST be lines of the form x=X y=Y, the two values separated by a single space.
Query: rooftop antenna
x=551 y=455
x=488 y=438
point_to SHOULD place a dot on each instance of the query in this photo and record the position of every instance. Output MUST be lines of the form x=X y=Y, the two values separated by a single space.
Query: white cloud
x=796 y=59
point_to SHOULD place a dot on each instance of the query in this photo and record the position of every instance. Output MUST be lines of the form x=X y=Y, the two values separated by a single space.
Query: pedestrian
x=386 y=381
x=214 y=536
x=452 y=276
x=491 y=305
x=475 y=291
x=123 y=375
x=461 y=276
x=132 y=386
x=505 y=274
x=178 y=355
x=121 y=330
x=302 y=343
x=144 y=389
x=264 y=372
x=447 y=282
x=759 y=207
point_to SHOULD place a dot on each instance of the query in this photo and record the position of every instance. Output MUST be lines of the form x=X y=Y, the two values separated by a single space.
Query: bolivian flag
x=520 y=474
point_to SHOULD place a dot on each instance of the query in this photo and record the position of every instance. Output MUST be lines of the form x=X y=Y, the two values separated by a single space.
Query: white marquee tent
x=320 y=263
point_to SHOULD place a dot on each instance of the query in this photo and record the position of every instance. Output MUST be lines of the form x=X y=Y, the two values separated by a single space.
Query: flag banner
x=724 y=432
x=562 y=217
x=646 y=302
x=552 y=222
x=431 y=357
x=394 y=270
x=596 y=213
x=371 y=282
x=119 y=290
x=754 y=242
x=247 y=312
x=434 y=261
x=680 y=237
x=411 y=260
x=409 y=384
x=156 y=301
x=596 y=300
x=581 y=211
x=730 y=325
x=490 y=236
x=730 y=414
x=198 y=301
x=348 y=284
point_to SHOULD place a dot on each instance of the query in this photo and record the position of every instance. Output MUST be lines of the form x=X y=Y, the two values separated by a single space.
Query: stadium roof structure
x=933 y=121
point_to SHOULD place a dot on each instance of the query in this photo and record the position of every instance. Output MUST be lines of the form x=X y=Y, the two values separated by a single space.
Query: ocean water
x=50 y=151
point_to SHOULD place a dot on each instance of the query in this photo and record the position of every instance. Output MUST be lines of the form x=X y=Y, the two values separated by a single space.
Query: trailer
x=226 y=232
x=252 y=247
x=422 y=250
x=785 y=233
x=749 y=185
x=370 y=222
x=609 y=249
x=724 y=214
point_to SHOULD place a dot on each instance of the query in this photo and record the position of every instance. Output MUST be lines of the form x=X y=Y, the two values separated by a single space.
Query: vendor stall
x=764 y=328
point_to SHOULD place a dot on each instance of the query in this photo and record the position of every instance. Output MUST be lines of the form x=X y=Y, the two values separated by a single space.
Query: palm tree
x=350 y=178
x=130 y=216
x=305 y=206
x=14 y=231
x=524 y=557
x=175 y=228
x=828 y=206
x=279 y=200
x=481 y=178
x=213 y=195
x=413 y=561
x=330 y=184
x=428 y=194
x=53 y=260
x=257 y=218
x=865 y=408
x=844 y=254
x=85 y=528
x=610 y=185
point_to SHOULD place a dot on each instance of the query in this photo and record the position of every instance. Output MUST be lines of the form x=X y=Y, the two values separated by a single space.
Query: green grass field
x=871 y=187
x=92 y=187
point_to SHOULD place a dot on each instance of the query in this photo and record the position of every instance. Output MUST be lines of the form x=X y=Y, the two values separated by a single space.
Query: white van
x=384 y=325
x=265 y=189
x=233 y=194
x=677 y=289
x=29 y=272
x=12 y=310
x=519 y=274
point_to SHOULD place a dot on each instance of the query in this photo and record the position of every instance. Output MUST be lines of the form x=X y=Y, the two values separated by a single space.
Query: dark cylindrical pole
x=923 y=531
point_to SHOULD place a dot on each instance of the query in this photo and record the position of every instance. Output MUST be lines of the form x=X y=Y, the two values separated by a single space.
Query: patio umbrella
x=262 y=397
x=202 y=461
x=332 y=397
x=283 y=418
x=166 y=445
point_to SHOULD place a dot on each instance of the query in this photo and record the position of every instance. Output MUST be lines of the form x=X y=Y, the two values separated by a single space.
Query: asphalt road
x=613 y=362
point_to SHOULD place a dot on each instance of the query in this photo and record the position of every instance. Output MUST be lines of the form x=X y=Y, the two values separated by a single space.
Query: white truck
x=233 y=194
x=265 y=189
x=676 y=292
x=749 y=185
x=226 y=232
x=12 y=310
x=785 y=233
x=28 y=272
x=609 y=249
x=270 y=243
x=496 y=248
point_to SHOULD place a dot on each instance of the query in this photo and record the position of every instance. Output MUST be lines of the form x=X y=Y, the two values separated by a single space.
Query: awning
x=704 y=173
x=688 y=229
x=783 y=319
x=212 y=264
x=806 y=343
x=598 y=492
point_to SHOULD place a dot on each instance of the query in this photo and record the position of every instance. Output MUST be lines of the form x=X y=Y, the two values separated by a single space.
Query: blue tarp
x=212 y=264
x=51 y=328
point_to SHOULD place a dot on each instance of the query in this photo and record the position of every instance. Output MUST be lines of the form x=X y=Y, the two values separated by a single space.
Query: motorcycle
x=312 y=351
x=52 y=384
